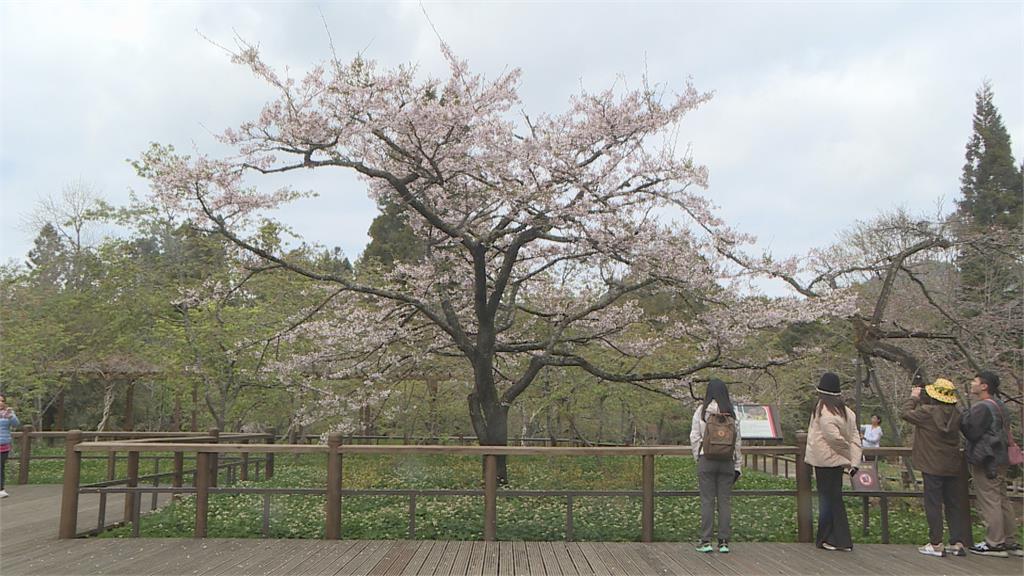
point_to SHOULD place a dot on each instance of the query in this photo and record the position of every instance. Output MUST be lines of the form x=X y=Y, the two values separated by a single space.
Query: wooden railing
x=207 y=454
x=24 y=438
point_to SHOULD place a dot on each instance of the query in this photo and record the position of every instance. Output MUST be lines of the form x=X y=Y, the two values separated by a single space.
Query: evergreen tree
x=991 y=182
x=392 y=240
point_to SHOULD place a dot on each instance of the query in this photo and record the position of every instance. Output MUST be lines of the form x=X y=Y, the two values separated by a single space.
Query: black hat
x=829 y=384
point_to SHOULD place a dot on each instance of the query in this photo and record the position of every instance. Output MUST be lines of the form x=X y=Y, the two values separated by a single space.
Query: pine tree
x=392 y=239
x=991 y=182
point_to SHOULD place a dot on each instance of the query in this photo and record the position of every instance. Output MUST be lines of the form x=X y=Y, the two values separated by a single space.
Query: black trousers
x=939 y=493
x=833 y=525
x=3 y=467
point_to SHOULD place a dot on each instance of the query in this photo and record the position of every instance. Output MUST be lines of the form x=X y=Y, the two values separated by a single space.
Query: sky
x=824 y=113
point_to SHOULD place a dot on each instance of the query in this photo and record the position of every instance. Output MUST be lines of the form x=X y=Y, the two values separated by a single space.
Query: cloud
x=824 y=113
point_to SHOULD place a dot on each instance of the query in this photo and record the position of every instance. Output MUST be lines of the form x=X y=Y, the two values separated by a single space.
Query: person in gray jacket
x=715 y=477
x=936 y=454
x=984 y=426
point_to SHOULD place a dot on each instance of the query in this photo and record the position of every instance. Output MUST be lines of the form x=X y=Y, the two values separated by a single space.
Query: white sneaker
x=4 y=494
x=932 y=550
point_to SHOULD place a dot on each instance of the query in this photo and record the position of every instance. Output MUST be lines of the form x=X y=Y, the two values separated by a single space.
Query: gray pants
x=715 y=478
x=994 y=505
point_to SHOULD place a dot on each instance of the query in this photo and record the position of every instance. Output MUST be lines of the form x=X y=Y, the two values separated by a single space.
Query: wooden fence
x=243 y=455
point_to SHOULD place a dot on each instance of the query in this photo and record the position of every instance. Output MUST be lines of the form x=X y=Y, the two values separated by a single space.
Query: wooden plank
x=589 y=552
x=673 y=556
x=758 y=559
x=564 y=560
x=476 y=557
x=534 y=559
x=403 y=553
x=298 y=551
x=506 y=559
x=418 y=557
x=547 y=555
x=520 y=559
x=447 y=560
x=617 y=551
x=342 y=553
x=316 y=555
x=246 y=556
x=644 y=562
x=686 y=555
x=608 y=559
x=361 y=563
x=461 y=563
x=434 y=557
x=489 y=567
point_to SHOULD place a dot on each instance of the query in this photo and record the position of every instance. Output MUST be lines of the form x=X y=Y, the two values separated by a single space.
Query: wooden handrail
x=207 y=453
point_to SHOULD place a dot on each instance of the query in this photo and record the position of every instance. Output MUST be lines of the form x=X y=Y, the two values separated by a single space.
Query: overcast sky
x=824 y=113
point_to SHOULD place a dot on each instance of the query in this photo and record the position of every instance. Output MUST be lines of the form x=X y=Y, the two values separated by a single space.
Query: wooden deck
x=28 y=545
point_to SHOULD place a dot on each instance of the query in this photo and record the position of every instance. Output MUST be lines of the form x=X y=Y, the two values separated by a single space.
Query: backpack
x=719 y=437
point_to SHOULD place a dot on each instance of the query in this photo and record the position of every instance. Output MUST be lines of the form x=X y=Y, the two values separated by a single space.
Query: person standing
x=936 y=454
x=715 y=440
x=986 y=427
x=872 y=433
x=8 y=420
x=833 y=448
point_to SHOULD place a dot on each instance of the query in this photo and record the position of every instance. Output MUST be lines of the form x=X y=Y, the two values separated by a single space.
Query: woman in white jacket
x=833 y=447
x=715 y=477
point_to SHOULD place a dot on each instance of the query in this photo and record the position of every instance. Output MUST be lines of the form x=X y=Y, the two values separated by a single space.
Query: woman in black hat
x=833 y=448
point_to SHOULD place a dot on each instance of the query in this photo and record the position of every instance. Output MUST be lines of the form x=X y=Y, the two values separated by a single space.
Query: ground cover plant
x=755 y=518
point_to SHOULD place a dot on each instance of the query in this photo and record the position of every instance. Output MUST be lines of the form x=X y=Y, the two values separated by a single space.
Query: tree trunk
x=490 y=422
x=108 y=402
x=129 y=406
x=60 y=410
x=176 y=415
x=194 y=425
x=432 y=418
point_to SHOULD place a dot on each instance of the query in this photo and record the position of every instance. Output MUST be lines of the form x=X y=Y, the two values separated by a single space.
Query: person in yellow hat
x=936 y=454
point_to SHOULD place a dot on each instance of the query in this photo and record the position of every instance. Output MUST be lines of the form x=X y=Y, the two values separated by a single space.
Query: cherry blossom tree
x=539 y=231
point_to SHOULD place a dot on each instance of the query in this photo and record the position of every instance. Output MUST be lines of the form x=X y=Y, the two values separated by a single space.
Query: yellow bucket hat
x=942 y=390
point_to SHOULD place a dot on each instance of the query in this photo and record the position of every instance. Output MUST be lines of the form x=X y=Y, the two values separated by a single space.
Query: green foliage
x=991 y=183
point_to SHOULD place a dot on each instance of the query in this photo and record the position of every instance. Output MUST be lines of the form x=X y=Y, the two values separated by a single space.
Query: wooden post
x=332 y=531
x=570 y=529
x=885 y=519
x=963 y=492
x=412 y=516
x=647 y=486
x=268 y=461
x=490 y=497
x=214 y=470
x=179 y=472
x=202 y=493
x=133 y=482
x=805 y=532
x=26 y=453
x=245 y=464
x=865 y=515
x=69 y=495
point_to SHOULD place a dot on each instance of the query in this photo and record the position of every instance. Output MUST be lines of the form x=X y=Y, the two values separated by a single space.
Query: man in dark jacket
x=937 y=455
x=984 y=426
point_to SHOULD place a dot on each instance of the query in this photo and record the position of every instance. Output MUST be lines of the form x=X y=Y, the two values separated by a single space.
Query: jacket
x=832 y=441
x=982 y=426
x=698 y=428
x=936 y=436
x=8 y=420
